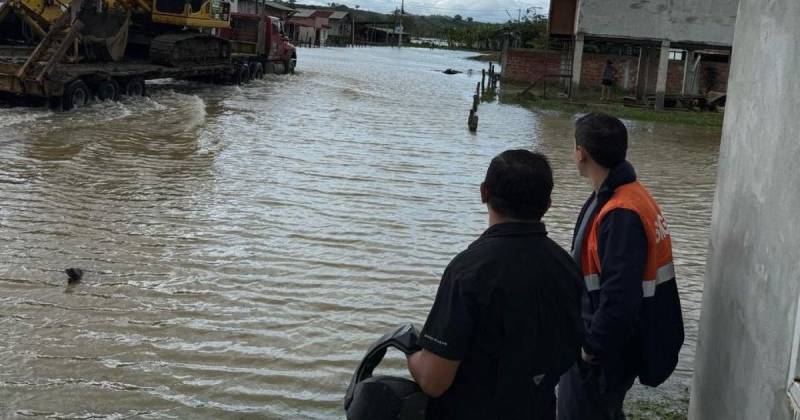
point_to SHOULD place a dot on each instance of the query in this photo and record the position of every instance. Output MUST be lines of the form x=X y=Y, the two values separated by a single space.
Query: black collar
x=515 y=229
x=618 y=176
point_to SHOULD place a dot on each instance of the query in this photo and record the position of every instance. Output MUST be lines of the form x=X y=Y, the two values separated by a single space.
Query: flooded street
x=243 y=246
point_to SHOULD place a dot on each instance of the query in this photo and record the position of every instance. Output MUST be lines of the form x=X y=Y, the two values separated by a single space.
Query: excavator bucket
x=105 y=35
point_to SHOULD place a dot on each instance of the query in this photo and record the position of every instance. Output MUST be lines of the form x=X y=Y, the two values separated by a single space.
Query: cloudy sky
x=484 y=10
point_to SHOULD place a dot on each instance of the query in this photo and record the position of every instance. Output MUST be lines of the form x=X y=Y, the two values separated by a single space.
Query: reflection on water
x=243 y=246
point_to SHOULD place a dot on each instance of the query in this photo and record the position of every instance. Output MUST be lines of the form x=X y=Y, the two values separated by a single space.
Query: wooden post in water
x=478 y=89
x=476 y=100
x=483 y=81
x=472 y=122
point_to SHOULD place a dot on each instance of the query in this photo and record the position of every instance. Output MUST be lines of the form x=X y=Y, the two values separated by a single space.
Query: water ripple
x=243 y=246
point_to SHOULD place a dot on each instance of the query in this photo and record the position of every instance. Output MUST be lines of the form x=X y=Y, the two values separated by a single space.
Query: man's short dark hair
x=519 y=184
x=604 y=137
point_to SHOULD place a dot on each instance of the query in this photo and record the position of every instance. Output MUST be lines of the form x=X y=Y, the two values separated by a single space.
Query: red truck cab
x=262 y=39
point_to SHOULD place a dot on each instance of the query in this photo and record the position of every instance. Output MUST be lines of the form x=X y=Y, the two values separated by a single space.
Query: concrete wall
x=306 y=35
x=752 y=282
x=697 y=21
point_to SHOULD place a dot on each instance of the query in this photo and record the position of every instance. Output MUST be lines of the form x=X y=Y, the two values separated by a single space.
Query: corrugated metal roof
x=338 y=15
x=279 y=6
x=304 y=13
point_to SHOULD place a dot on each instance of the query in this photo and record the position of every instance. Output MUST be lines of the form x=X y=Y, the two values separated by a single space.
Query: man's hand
x=434 y=374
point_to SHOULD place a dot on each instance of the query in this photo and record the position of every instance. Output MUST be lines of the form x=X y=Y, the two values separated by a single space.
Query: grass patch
x=702 y=119
x=487 y=57
x=489 y=95
x=655 y=410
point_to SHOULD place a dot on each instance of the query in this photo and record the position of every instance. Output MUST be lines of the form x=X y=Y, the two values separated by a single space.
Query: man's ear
x=549 y=203
x=484 y=193
x=580 y=154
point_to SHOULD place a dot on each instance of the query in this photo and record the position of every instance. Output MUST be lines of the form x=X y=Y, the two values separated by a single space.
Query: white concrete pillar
x=687 y=65
x=577 y=61
x=747 y=352
x=661 y=81
x=626 y=75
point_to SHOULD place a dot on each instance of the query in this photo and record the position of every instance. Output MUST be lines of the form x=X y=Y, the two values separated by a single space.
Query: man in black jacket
x=630 y=304
x=506 y=320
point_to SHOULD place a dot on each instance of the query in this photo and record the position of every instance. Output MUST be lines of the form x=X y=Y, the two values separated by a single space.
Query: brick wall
x=528 y=66
x=722 y=70
x=594 y=65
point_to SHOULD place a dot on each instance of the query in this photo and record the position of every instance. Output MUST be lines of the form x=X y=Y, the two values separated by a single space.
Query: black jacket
x=611 y=315
x=630 y=335
x=507 y=308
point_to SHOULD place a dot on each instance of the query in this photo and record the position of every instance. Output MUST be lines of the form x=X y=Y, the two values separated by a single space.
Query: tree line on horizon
x=530 y=30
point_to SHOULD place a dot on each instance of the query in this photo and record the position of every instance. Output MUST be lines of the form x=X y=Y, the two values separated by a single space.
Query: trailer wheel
x=135 y=87
x=76 y=95
x=242 y=75
x=288 y=65
x=245 y=75
x=107 y=90
x=258 y=71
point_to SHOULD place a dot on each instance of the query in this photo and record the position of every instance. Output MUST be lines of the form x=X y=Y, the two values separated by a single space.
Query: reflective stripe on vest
x=659 y=267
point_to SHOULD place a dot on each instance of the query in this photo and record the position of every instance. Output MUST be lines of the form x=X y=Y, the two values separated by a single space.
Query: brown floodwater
x=243 y=246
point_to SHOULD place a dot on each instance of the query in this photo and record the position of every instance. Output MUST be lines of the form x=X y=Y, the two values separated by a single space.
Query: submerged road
x=244 y=246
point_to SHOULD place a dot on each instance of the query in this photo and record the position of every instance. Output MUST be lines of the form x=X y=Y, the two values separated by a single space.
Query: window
x=676 y=55
x=794 y=365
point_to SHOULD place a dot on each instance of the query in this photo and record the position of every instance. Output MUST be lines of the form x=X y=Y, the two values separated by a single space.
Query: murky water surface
x=243 y=246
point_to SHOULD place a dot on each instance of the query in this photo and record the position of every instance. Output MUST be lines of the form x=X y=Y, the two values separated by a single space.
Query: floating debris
x=75 y=275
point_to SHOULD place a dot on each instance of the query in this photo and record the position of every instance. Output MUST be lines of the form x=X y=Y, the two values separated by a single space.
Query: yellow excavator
x=110 y=22
x=67 y=51
x=37 y=36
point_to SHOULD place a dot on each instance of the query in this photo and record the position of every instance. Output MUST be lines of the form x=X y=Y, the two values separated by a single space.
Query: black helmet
x=385 y=397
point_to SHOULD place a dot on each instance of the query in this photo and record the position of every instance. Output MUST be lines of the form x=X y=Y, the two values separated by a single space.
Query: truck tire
x=258 y=71
x=76 y=95
x=135 y=87
x=107 y=90
x=288 y=65
x=242 y=75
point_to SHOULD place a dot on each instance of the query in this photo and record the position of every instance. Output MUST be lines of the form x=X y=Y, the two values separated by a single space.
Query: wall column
x=687 y=65
x=747 y=355
x=642 y=73
x=663 y=68
x=577 y=61
x=626 y=75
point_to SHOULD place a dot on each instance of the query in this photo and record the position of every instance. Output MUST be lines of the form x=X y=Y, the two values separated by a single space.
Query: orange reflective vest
x=659 y=267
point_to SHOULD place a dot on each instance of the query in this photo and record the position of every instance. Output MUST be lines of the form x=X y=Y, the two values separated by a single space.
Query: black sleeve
x=450 y=325
x=622 y=246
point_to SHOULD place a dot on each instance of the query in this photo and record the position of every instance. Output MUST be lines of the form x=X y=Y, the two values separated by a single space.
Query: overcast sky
x=483 y=10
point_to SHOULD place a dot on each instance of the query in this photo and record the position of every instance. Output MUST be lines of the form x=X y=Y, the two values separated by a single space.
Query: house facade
x=341 y=28
x=310 y=27
x=657 y=46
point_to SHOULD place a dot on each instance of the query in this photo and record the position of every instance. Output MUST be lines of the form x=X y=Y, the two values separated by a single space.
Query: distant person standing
x=630 y=306
x=607 y=86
